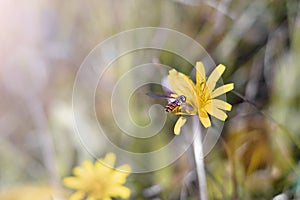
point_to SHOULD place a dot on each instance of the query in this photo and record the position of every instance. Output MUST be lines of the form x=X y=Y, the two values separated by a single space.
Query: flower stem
x=199 y=159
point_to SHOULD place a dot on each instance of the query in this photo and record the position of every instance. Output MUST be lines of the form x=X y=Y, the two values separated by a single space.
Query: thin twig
x=199 y=159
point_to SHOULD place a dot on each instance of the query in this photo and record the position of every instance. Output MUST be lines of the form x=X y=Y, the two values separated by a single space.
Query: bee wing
x=186 y=107
x=156 y=96
x=167 y=91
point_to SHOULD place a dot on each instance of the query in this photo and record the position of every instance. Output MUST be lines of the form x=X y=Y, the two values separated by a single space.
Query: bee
x=174 y=103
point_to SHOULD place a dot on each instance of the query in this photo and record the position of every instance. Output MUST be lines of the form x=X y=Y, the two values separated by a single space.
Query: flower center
x=203 y=95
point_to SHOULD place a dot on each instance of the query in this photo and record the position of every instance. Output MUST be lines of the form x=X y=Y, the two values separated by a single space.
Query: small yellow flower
x=99 y=181
x=201 y=96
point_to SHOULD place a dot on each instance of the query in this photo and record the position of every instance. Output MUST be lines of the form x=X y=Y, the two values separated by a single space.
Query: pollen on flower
x=100 y=180
x=201 y=95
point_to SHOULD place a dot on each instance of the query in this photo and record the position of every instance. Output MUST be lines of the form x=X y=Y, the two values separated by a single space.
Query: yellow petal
x=121 y=173
x=214 y=111
x=222 y=90
x=204 y=118
x=79 y=195
x=180 y=122
x=200 y=74
x=102 y=168
x=77 y=171
x=221 y=104
x=91 y=198
x=72 y=182
x=214 y=77
x=110 y=159
x=119 y=178
x=183 y=85
x=120 y=191
x=88 y=166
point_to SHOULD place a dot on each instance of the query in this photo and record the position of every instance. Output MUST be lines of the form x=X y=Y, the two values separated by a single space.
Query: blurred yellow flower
x=29 y=192
x=99 y=181
x=201 y=96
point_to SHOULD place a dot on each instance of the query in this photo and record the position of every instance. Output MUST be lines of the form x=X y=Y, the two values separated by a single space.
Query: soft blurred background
x=43 y=43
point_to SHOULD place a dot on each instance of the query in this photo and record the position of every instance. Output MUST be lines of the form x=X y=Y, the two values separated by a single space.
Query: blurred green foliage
x=44 y=43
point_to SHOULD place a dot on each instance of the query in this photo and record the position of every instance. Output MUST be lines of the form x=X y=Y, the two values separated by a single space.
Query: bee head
x=182 y=98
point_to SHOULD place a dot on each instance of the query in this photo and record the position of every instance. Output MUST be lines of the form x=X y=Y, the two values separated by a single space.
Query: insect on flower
x=197 y=98
x=175 y=103
x=201 y=94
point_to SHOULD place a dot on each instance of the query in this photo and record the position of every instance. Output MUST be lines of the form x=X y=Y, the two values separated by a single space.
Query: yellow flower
x=99 y=181
x=201 y=96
